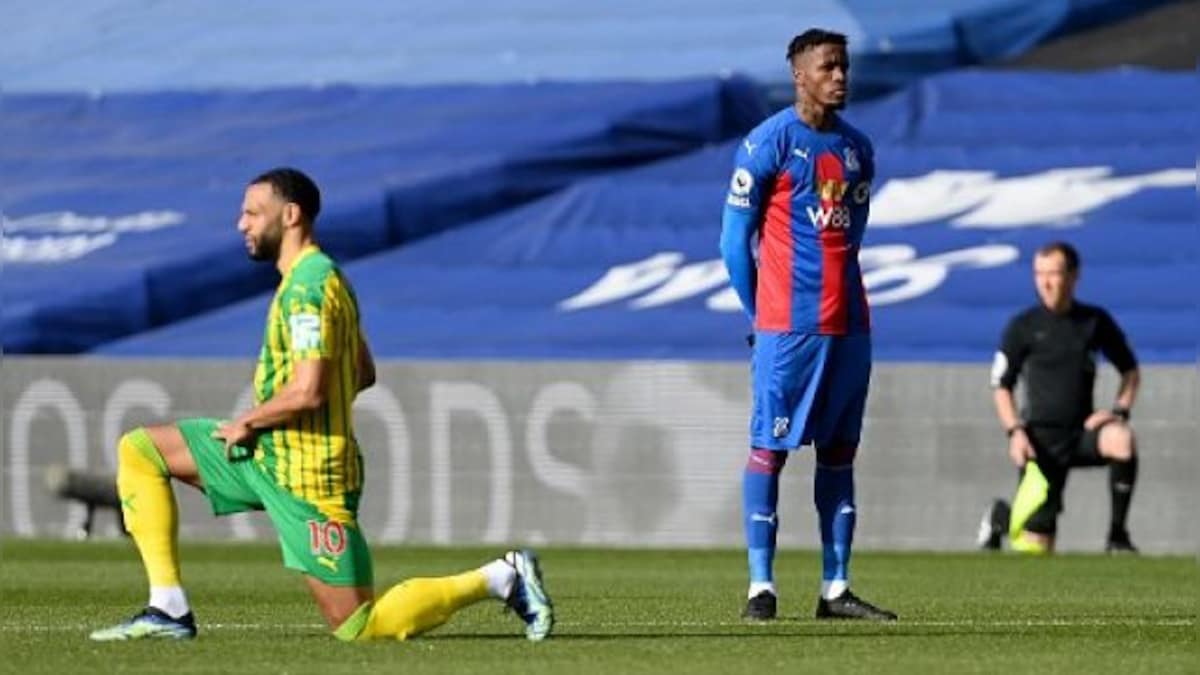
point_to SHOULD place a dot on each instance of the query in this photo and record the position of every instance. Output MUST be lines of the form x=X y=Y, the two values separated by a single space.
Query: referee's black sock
x=1121 y=478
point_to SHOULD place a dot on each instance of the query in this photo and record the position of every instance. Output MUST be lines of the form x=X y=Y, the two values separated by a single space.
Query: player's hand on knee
x=1020 y=450
x=1099 y=418
x=238 y=438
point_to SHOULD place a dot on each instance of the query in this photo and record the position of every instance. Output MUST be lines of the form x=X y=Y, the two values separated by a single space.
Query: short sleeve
x=1111 y=341
x=313 y=318
x=1006 y=364
x=755 y=166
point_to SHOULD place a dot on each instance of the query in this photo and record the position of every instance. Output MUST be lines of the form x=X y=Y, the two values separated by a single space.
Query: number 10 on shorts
x=326 y=537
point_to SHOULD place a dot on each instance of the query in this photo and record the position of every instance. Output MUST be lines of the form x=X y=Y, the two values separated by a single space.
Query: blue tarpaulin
x=976 y=170
x=121 y=210
x=138 y=45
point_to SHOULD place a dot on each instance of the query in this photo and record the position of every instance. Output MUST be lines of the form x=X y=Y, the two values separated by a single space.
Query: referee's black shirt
x=1055 y=354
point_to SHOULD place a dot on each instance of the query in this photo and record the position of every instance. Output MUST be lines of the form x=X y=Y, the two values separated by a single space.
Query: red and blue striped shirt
x=805 y=195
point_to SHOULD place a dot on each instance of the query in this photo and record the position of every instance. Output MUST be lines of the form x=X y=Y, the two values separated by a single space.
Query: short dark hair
x=293 y=186
x=1068 y=252
x=811 y=38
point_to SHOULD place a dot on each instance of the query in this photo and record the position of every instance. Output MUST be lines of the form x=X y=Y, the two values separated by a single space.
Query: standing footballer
x=801 y=186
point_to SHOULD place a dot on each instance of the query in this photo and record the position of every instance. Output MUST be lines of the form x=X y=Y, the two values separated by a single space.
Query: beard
x=266 y=247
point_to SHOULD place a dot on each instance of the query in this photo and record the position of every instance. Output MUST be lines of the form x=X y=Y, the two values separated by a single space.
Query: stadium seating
x=105 y=46
x=976 y=170
x=121 y=209
x=119 y=201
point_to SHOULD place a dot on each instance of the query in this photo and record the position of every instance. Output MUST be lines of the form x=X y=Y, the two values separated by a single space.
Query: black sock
x=1121 y=477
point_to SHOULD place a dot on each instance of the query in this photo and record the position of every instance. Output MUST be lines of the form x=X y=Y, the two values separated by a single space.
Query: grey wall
x=620 y=453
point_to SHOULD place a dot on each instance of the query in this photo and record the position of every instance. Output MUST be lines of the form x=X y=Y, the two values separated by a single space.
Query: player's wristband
x=1121 y=412
x=1013 y=429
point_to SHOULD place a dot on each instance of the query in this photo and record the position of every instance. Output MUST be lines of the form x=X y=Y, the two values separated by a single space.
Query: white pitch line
x=12 y=627
x=67 y=627
x=1015 y=623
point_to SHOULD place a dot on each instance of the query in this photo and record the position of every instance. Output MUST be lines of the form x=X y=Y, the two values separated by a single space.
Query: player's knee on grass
x=351 y=628
x=337 y=616
x=338 y=604
x=1033 y=543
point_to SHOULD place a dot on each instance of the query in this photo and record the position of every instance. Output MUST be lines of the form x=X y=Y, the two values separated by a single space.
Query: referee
x=1051 y=347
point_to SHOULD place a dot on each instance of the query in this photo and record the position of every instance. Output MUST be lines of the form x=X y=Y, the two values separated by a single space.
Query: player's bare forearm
x=1006 y=407
x=304 y=392
x=280 y=408
x=1127 y=391
x=290 y=401
x=1020 y=451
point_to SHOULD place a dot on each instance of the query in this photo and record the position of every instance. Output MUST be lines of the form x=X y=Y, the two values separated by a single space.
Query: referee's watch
x=1122 y=412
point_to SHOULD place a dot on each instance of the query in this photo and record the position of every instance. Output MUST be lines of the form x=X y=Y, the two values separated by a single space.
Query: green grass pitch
x=620 y=611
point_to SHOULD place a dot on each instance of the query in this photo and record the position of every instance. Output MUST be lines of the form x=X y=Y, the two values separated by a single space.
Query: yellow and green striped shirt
x=314 y=315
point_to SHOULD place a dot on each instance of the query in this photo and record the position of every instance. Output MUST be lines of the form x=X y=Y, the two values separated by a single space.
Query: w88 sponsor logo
x=824 y=217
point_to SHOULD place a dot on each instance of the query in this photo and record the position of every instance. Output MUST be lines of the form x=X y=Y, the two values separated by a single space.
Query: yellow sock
x=148 y=505
x=416 y=606
x=1032 y=492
